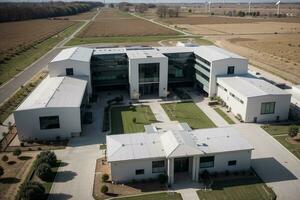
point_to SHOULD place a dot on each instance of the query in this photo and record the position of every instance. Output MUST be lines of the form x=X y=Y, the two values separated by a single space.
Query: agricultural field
x=20 y=46
x=112 y=22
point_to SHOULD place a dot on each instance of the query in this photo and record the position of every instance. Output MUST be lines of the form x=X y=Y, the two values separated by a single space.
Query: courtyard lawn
x=188 y=112
x=240 y=189
x=224 y=115
x=155 y=196
x=280 y=133
x=130 y=119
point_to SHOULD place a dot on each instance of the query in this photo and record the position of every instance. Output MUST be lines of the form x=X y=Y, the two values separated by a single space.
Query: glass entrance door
x=181 y=164
x=149 y=89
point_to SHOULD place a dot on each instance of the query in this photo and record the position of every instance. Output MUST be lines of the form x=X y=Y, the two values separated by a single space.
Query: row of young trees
x=25 y=11
x=164 y=11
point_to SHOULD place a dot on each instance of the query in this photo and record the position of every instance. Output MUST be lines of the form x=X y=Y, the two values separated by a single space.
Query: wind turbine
x=278 y=8
x=249 y=7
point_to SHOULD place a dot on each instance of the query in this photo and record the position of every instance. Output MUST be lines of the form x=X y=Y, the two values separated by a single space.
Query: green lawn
x=239 y=189
x=188 y=112
x=224 y=115
x=20 y=62
x=122 y=119
x=155 y=196
x=280 y=133
x=130 y=39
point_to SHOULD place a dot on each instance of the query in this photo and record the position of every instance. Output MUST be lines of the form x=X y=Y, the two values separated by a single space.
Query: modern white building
x=254 y=100
x=153 y=71
x=53 y=110
x=176 y=152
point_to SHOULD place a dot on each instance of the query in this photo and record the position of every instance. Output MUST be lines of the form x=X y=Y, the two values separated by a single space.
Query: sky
x=169 y=1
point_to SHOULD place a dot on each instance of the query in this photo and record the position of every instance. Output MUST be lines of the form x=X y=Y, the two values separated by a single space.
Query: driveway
x=277 y=167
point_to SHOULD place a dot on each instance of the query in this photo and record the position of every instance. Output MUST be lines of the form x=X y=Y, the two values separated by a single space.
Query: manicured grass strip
x=155 y=196
x=224 y=115
x=239 y=189
x=20 y=62
x=11 y=104
x=280 y=133
x=130 y=119
x=188 y=112
x=130 y=39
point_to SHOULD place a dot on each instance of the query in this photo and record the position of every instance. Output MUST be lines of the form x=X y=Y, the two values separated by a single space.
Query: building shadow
x=270 y=170
x=59 y=196
x=64 y=176
x=24 y=157
x=9 y=180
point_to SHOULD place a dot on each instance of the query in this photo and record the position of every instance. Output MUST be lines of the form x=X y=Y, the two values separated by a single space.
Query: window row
x=209 y=162
x=202 y=75
x=203 y=60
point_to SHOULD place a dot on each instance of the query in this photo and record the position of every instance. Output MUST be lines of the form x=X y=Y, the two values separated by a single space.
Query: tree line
x=25 y=11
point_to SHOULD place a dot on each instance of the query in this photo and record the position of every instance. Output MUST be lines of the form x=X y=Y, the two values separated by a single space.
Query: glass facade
x=148 y=72
x=109 y=70
x=181 y=68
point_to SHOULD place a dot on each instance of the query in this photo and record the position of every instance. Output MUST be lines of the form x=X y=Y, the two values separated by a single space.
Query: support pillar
x=195 y=170
x=171 y=171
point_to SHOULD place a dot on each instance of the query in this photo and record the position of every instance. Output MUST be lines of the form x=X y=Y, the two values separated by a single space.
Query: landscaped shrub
x=4 y=158
x=104 y=189
x=48 y=157
x=293 y=131
x=105 y=177
x=162 y=178
x=17 y=152
x=32 y=191
x=1 y=171
x=134 y=120
x=44 y=171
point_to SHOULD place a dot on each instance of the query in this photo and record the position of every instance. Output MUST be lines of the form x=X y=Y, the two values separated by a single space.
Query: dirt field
x=112 y=22
x=15 y=170
x=279 y=54
x=15 y=34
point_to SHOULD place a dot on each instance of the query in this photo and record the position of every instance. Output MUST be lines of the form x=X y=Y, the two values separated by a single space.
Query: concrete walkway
x=188 y=189
x=159 y=112
x=209 y=111
x=274 y=164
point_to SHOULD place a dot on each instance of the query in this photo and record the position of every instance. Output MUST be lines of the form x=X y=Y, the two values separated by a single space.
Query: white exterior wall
x=220 y=67
x=79 y=69
x=235 y=106
x=243 y=161
x=124 y=171
x=282 y=105
x=28 y=123
x=134 y=75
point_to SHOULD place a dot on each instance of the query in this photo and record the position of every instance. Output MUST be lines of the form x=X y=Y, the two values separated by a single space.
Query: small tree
x=32 y=191
x=4 y=158
x=134 y=120
x=44 y=171
x=17 y=152
x=105 y=177
x=293 y=131
x=104 y=189
x=1 y=171
x=162 y=178
x=48 y=157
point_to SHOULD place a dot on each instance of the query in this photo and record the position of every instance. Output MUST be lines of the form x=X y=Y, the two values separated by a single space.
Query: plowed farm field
x=15 y=35
x=111 y=22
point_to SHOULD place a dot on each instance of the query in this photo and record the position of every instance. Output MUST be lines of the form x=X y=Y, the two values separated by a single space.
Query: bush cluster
x=47 y=157
x=32 y=191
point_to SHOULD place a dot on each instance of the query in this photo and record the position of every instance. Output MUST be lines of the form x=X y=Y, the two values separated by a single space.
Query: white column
x=197 y=168
x=171 y=170
x=194 y=168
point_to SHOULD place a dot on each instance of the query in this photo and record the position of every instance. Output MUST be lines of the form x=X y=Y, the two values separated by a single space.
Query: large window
x=231 y=162
x=203 y=60
x=69 y=72
x=202 y=75
x=139 y=171
x=49 y=122
x=267 y=108
x=158 y=166
x=230 y=70
x=206 y=162
x=148 y=72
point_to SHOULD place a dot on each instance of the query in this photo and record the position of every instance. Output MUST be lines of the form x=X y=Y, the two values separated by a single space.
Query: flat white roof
x=255 y=86
x=213 y=53
x=111 y=50
x=176 y=49
x=56 y=92
x=75 y=53
x=140 y=54
x=174 y=144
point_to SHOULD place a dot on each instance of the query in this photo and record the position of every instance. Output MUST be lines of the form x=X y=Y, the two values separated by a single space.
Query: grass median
x=224 y=115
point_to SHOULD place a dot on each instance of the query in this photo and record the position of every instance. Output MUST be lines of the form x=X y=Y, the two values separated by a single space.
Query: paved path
x=209 y=111
x=279 y=168
x=159 y=112
x=9 y=88
x=187 y=189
